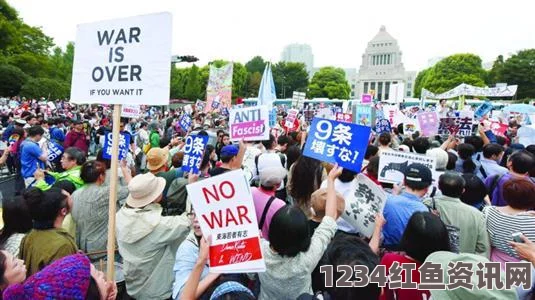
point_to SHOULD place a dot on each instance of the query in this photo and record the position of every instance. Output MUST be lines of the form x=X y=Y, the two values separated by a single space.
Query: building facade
x=299 y=53
x=382 y=67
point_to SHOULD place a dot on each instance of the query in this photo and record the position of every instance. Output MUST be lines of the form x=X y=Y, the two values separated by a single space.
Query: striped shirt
x=501 y=226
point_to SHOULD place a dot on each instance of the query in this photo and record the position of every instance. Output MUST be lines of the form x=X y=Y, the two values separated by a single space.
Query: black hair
x=385 y=139
x=283 y=139
x=400 y=128
x=349 y=250
x=474 y=190
x=522 y=161
x=35 y=130
x=347 y=175
x=100 y=157
x=292 y=154
x=465 y=152
x=93 y=292
x=16 y=218
x=373 y=166
x=305 y=179
x=75 y=154
x=424 y=234
x=2 y=268
x=475 y=141
x=451 y=184
x=421 y=145
x=289 y=231
x=371 y=150
x=408 y=143
x=501 y=140
x=452 y=160
x=92 y=170
x=65 y=185
x=203 y=133
x=492 y=149
x=44 y=206
x=268 y=144
x=164 y=141
x=143 y=124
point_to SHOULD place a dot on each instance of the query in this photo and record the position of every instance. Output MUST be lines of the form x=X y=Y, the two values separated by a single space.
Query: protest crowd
x=429 y=197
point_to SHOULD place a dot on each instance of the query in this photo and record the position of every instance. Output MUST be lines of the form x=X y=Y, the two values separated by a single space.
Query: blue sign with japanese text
x=185 y=122
x=193 y=153
x=55 y=151
x=337 y=142
x=482 y=110
x=383 y=125
x=124 y=143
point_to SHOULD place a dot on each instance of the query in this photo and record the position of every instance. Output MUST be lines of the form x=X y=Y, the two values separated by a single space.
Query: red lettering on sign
x=225 y=189
x=226 y=217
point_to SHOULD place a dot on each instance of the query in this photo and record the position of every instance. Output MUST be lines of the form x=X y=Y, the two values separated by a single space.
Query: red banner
x=235 y=252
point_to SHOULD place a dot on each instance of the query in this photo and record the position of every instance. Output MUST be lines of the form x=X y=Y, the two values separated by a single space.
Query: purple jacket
x=77 y=140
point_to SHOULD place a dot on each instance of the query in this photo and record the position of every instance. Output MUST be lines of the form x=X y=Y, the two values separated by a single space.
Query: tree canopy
x=518 y=69
x=329 y=82
x=289 y=77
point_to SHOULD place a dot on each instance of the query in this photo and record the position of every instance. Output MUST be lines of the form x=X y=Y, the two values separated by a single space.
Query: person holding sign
x=291 y=254
x=147 y=240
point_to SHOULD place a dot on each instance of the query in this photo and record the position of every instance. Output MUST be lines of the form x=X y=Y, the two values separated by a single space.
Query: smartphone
x=516 y=237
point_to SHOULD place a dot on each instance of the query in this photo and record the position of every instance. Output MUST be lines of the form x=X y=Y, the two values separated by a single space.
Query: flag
x=266 y=93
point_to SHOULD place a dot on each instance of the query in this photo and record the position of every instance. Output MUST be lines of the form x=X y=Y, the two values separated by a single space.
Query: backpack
x=176 y=197
x=454 y=232
x=494 y=183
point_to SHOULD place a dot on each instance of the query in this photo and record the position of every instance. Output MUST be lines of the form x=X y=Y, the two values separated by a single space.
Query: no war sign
x=250 y=124
x=123 y=61
x=337 y=142
x=225 y=210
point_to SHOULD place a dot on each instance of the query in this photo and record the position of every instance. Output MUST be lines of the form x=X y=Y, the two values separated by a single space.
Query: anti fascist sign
x=123 y=61
x=337 y=142
x=250 y=124
x=225 y=210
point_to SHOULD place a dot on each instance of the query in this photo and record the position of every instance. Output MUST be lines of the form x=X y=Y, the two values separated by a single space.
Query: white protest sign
x=363 y=204
x=188 y=109
x=290 y=118
x=226 y=212
x=392 y=165
x=250 y=124
x=123 y=61
x=130 y=111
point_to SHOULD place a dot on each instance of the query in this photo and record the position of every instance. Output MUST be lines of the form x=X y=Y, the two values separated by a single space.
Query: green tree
x=193 y=88
x=62 y=62
x=418 y=82
x=253 y=84
x=12 y=80
x=329 y=82
x=256 y=64
x=520 y=69
x=496 y=71
x=45 y=87
x=289 y=77
x=179 y=78
x=35 y=65
x=454 y=70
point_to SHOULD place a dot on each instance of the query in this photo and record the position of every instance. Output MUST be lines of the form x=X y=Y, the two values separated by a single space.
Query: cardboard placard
x=193 y=153
x=250 y=124
x=392 y=165
x=123 y=61
x=366 y=200
x=225 y=210
x=337 y=142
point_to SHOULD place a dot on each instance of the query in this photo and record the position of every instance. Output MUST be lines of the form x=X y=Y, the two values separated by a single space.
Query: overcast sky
x=337 y=30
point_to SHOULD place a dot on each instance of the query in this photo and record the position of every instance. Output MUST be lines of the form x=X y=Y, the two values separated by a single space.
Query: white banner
x=130 y=111
x=470 y=90
x=361 y=206
x=123 y=61
x=392 y=165
x=226 y=212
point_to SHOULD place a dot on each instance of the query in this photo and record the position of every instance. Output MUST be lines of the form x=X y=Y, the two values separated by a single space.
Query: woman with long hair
x=304 y=178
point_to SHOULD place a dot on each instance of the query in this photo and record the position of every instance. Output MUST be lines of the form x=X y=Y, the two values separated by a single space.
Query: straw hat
x=144 y=189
